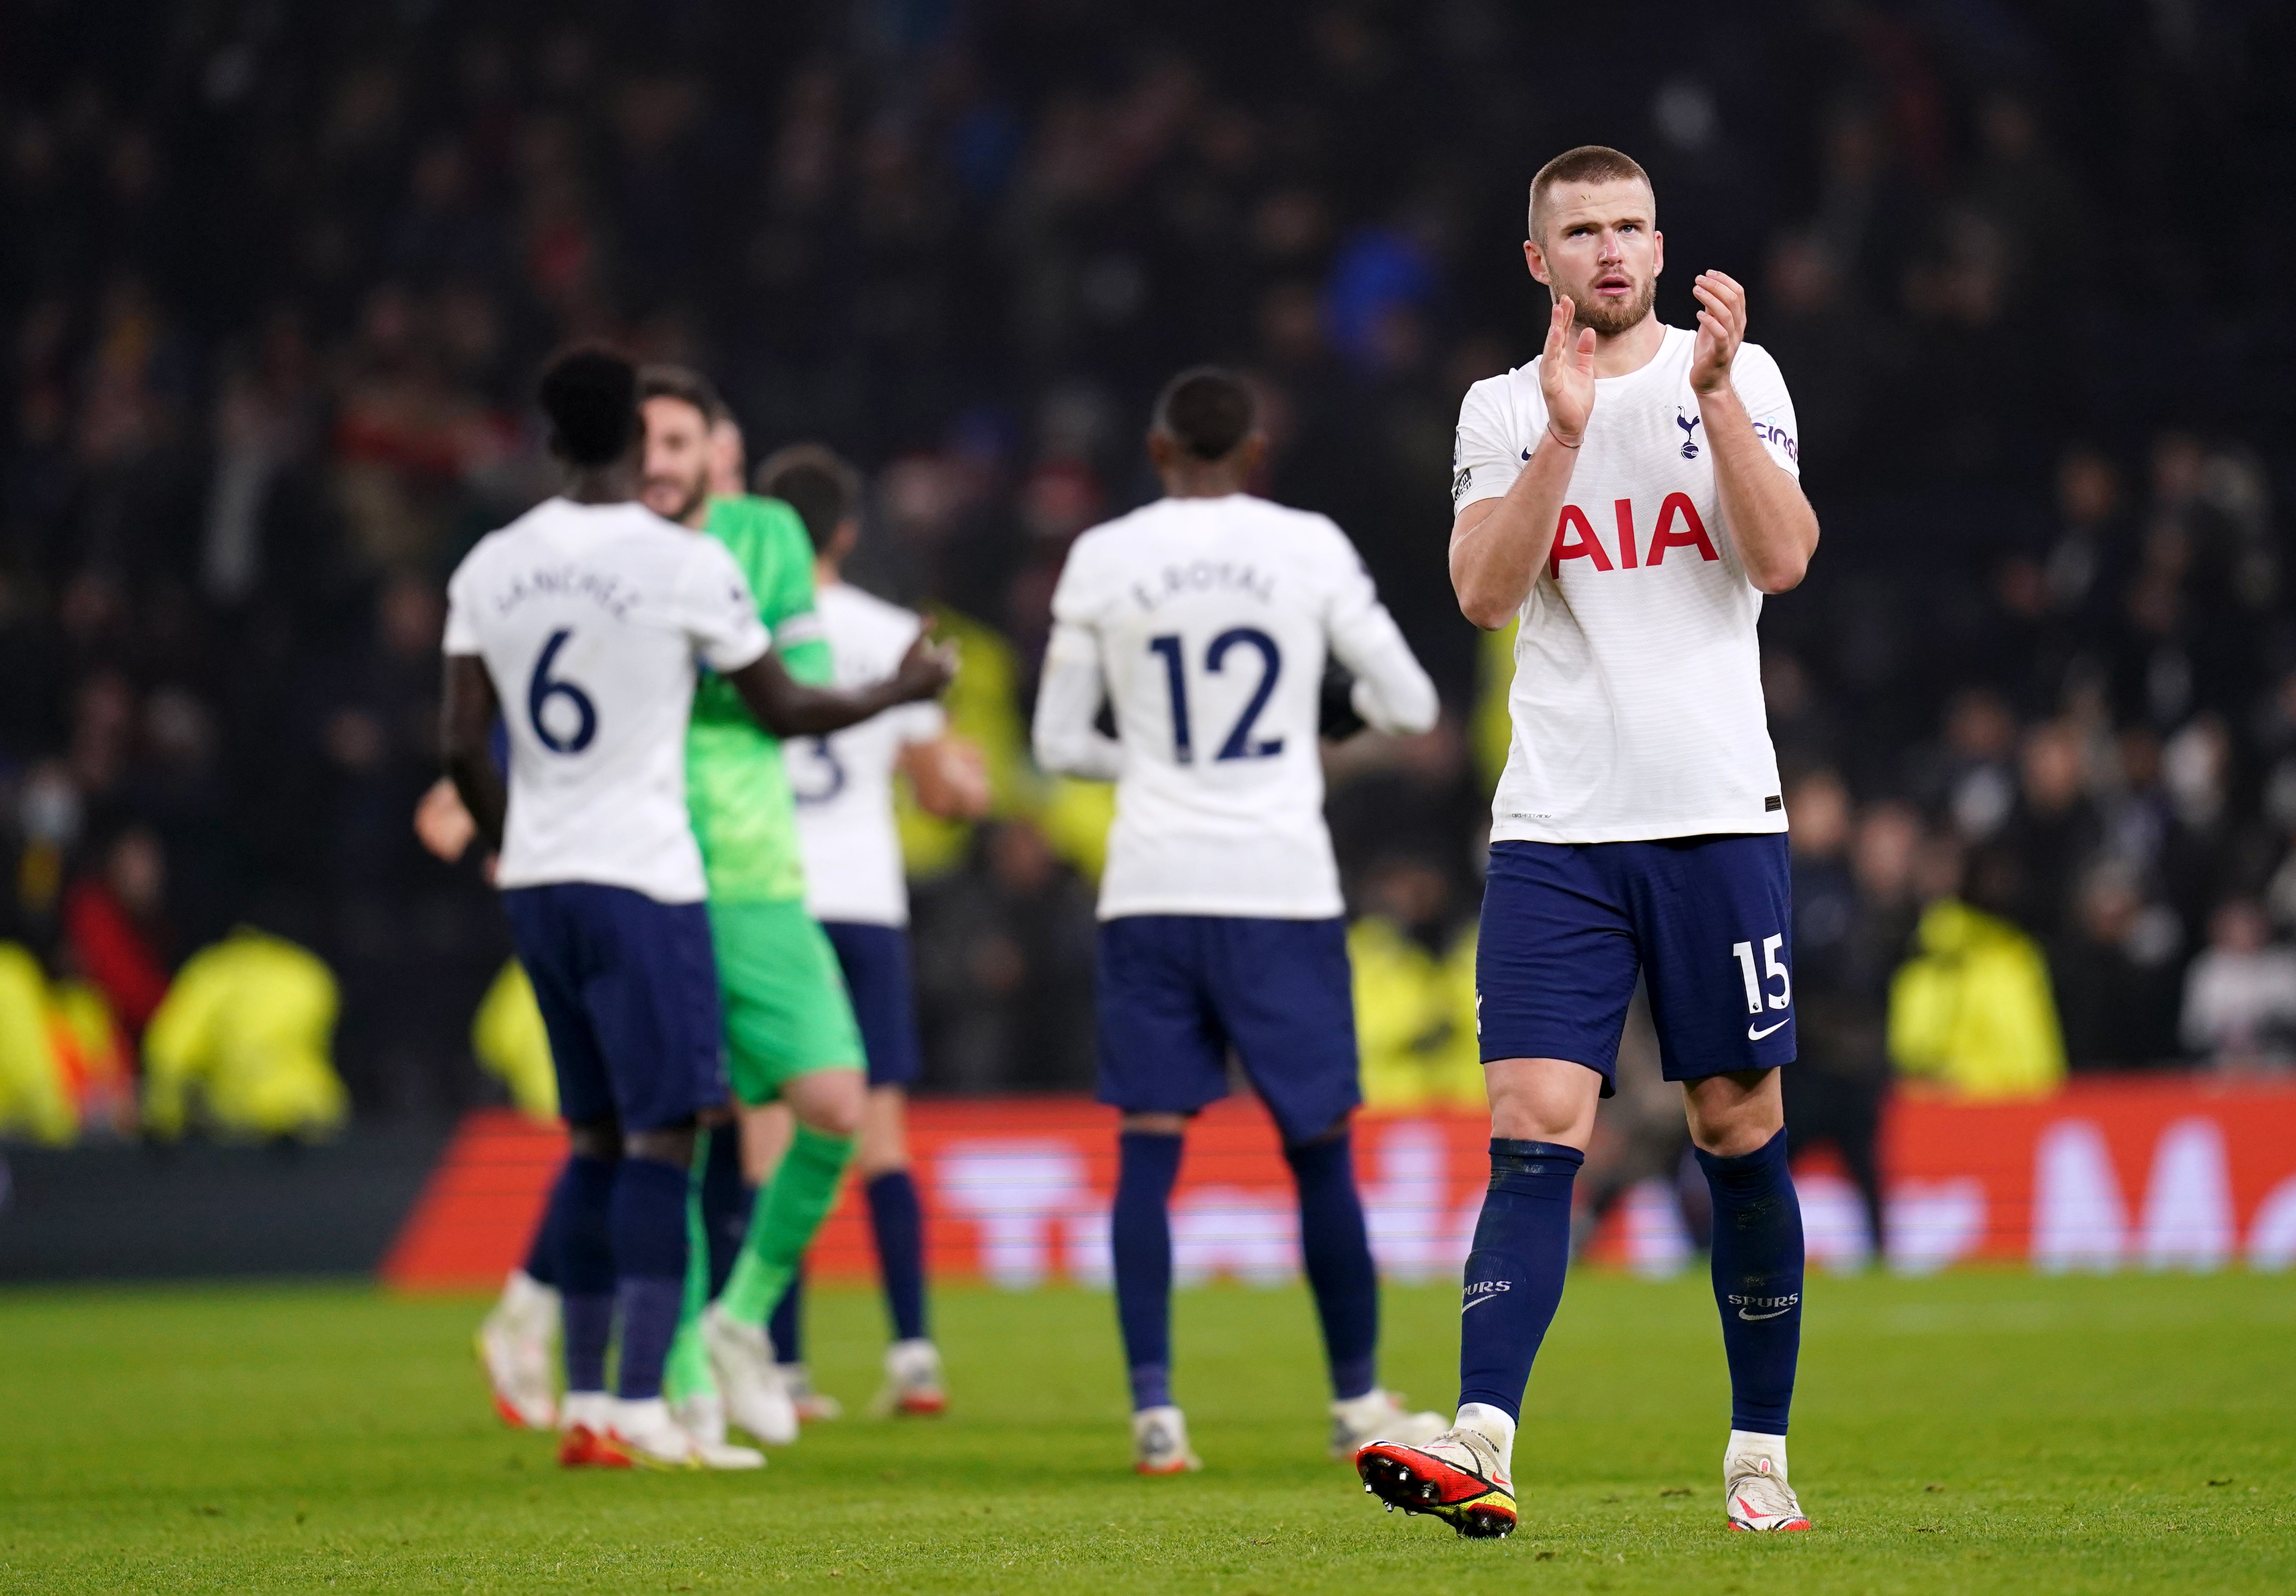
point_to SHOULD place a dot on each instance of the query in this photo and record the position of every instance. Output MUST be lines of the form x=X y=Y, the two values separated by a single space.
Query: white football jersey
x=1637 y=693
x=590 y=618
x=844 y=782
x=1210 y=620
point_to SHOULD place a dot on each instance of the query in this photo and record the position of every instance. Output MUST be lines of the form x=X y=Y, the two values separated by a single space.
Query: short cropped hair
x=590 y=395
x=815 y=481
x=1589 y=163
x=1208 y=410
x=659 y=380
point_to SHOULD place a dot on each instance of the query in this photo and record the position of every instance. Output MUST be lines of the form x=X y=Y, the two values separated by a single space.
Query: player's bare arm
x=1769 y=519
x=949 y=776
x=1498 y=545
x=789 y=707
x=465 y=718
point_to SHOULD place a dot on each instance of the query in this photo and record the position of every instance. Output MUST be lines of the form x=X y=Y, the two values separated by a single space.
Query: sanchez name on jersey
x=1638 y=695
x=589 y=618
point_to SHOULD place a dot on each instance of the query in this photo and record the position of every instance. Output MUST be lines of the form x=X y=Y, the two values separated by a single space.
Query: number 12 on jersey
x=1238 y=743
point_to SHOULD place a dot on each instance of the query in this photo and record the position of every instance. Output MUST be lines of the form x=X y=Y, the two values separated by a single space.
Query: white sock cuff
x=522 y=1290
x=1493 y=1422
x=591 y=1408
x=1755 y=1444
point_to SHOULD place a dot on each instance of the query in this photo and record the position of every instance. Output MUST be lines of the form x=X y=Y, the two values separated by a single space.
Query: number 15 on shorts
x=1758 y=981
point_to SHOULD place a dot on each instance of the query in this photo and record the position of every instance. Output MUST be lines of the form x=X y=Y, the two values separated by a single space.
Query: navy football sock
x=1140 y=1236
x=586 y=1322
x=1514 y=1275
x=896 y=1218
x=785 y=1327
x=649 y=1240
x=1758 y=1267
x=579 y=1221
x=1337 y=1251
x=727 y=1200
x=649 y=1307
x=541 y=1265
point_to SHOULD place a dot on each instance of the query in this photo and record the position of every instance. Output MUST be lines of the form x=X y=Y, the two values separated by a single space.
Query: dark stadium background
x=276 y=277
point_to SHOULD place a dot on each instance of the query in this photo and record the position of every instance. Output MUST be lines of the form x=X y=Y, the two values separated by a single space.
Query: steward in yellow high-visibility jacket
x=512 y=1045
x=64 y=1067
x=1414 y=1019
x=34 y=1100
x=241 y=1043
x=1972 y=1010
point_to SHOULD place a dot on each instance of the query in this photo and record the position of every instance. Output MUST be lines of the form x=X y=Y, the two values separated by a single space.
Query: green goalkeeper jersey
x=744 y=816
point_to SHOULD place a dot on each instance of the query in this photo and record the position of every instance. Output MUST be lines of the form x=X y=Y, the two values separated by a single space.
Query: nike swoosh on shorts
x=1754 y=1035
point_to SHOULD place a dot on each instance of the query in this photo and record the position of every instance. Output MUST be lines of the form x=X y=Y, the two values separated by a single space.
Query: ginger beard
x=1610 y=317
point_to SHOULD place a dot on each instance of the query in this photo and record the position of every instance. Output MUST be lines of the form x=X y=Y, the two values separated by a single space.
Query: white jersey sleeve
x=717 y=610
x=1069 y=693
x=1393 y=690
x=1072 y=686
x=1761 y=389
x=1487 y=453
x=1091 y=585
x=462 y=631
x=843 y=783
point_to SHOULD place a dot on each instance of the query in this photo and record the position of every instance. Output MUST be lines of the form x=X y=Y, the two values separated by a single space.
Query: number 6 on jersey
x=540 y=689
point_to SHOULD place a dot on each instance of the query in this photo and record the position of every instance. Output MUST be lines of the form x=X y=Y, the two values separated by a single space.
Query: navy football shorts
x=1176 y=991
x=1567 y=926
x=628 y=992
x=875 y=959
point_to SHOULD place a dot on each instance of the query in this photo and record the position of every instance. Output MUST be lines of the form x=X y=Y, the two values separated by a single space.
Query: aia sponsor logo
x=1678 y=527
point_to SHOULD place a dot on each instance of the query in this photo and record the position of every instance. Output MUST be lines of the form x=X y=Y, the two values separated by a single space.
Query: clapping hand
x=1566 y=376
x=1721 y=328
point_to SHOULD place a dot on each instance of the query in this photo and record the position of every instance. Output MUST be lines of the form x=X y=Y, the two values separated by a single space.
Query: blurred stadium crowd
x=276 y=279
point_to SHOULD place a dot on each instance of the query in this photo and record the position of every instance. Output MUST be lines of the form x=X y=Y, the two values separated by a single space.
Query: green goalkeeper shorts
x=786 y=1010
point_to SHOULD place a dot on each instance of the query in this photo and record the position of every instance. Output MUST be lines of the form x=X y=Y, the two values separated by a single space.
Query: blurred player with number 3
x=854 y=887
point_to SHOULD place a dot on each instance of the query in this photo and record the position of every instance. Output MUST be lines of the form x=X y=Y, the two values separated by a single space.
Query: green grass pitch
x=1973 y=1432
